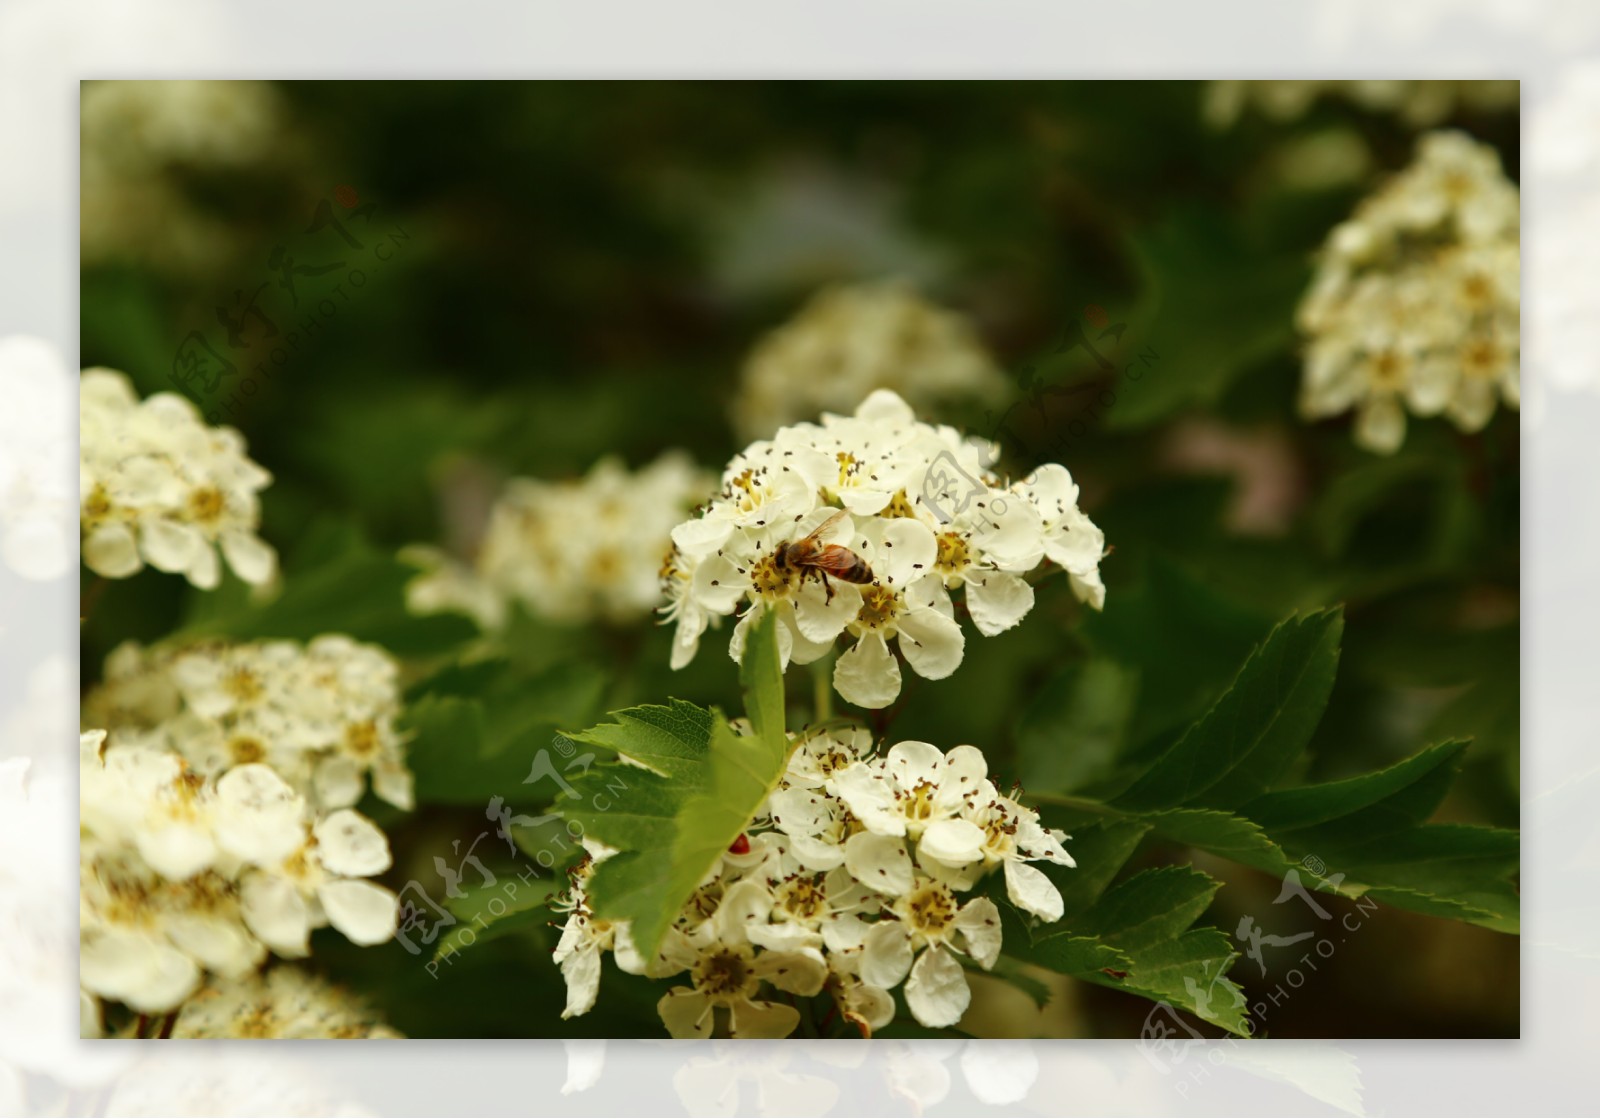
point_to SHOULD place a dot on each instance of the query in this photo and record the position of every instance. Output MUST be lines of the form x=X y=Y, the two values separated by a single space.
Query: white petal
x=259 y=817
x=814 y=853
x=703 y=536
x=911 y=763
x=952 y=842
x=205 y=571
x=867 y=1006
x=686 y=1013
x=338 y=782
x=178 y=849
x=998 y=600
x=365 y=913
x=745 y=903
x=581 y=970
x=936 y=992
x=168 y=545
x=979 y=922
x=817 y=618
x=1031 y=890
x=931 y=643
x=349 y=844
x=111 y=551
x=799 y=973
x=1431 y=385
x=251 y=558
x=220 y=944
x=394 y=783
x=868 y=795
x=274 y=910
x=867 y=675
x=758 y=1019
x=906 y=552
x=879 y=862
x=1381 y=424
x=886 y=954
x=785 y=936
x=1473 y=404
x=148 y=975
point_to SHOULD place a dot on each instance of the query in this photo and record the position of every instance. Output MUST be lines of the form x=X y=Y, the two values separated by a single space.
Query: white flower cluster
x=282 y=1002
x=158 y=486
x=851 y=339
x=180 y=874
x=1416 y=299
x=850 y=881
x=1418 y=104
x=139 y=137
x=915 y=506
x=322 y=716
x=569 y=552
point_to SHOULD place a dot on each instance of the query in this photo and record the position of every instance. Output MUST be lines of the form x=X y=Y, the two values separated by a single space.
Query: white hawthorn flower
x=182 y=874
x=849 y=340
x=931 y=928
x=849 y=879
x=283 y=1002
x=727 y=970
x=158 y=486
x=898 y=515
x=571 y=551
x=585 y=938
x=323 y=715
x=913 y=789
x=1416 y=306
x=322 y=883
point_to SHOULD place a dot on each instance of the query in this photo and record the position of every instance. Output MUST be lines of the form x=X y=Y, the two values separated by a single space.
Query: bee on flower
x=845 y=530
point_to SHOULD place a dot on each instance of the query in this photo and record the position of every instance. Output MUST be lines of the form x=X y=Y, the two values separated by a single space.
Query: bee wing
x=816 y=533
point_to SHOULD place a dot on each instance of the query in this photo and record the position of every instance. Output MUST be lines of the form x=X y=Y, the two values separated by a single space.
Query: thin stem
x=1082 y=804
x=822 y=688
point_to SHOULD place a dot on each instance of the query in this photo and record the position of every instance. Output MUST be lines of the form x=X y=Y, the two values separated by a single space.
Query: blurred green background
x=583 y=268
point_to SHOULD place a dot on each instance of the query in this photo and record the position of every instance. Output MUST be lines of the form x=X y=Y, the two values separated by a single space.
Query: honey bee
x=809 y=556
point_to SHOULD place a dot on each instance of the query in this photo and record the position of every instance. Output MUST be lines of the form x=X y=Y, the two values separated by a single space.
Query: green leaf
x=1137 y=938
x=477 y=729
x=1253 y=734
x=702 y=783
x=478 y=921
x=1403 y=794
x=1218 y=306
x=1074 y=731
x=1184 y=641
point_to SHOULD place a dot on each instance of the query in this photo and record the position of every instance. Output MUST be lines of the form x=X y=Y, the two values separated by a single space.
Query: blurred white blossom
x=137 y=140
x=1416 y=301
x=282 y=1002
x=181 y=875
x=851 y=339
x=1417 y=104
x=321 y=715
x=578 y=551
x=158 y=486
